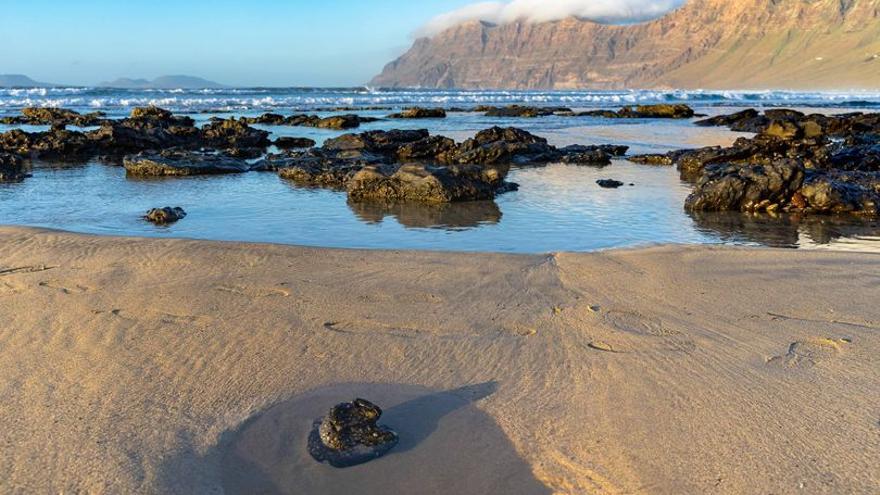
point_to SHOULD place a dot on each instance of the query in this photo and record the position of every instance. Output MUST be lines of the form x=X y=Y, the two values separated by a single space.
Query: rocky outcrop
x=147 y=129
x=420 y=113
x=427 y=183
x=712 y=44
x=54 y=117
x=414 y=166
x=182 y=163
x=797 y=162
x=338 y=122
x=522 y=111
x=749 y=187
x=659 y=111
x=841 y=192
x=232 y=133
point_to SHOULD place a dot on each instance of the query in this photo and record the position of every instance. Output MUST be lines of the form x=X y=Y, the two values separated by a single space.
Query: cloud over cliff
x=615 y=11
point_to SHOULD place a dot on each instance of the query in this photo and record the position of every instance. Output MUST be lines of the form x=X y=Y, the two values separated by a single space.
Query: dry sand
x=159 y=366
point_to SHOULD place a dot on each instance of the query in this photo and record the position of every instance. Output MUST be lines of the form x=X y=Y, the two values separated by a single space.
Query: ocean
x=558 y=207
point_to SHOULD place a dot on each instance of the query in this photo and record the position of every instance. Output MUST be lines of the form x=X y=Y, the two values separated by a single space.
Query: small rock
x=287 y=143
x=420 y=113
x=182 y=163
x=609 y=183
x=11 y=168
x=349 y=435
x=165 y=216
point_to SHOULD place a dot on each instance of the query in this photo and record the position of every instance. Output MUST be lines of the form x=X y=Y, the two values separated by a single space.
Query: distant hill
x=711 y=44
x=164 y=82
x=22 y=81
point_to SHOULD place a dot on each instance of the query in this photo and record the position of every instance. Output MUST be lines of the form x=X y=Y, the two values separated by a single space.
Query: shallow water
x=558 y=207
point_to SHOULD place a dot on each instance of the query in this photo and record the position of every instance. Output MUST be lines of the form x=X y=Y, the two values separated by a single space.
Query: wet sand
x=171 y=366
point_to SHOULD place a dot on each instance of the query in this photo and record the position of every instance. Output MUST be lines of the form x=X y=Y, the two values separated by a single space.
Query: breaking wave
x=255 y=99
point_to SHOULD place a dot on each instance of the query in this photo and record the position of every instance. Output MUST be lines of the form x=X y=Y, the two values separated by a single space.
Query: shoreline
x=165 y=365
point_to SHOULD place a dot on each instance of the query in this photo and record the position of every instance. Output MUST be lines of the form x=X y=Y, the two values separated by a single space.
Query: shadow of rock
x=450 y=216
x=785 y=231
x=447 y=445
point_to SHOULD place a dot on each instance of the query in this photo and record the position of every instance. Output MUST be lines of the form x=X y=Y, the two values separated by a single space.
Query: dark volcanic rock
x=338 y=122
x=609 y=183
x=762 y=149
x=293 y=142
x=502 y=145
x=660 y=111
x=55 y=143
x=319 y=167
x=420 y=113
x=757 y=187
x=380 y=142
x=267 y=119
x=791 y=124
x=165 y=216
x=427 y=183
x=652 y=159
x=232 y=133
x=842 y=192
x=796 y=163
x=54 y=117
x=729 y=120
x=350 y=435
x=585 y=155
x=182 y=163
x=11 y=168
x=523 y=111
x=148 y=128
x=428 y=148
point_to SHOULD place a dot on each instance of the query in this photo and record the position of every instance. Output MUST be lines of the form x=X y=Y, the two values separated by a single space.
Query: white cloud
x=616 y=11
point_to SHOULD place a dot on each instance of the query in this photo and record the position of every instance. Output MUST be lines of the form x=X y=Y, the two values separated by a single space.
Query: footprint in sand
x=633 y=322
x=807 y=353
x=254 y=292
x=639 y=325
x=366 y=327
x=66 y=287
x=164 y=318
x=9 y=289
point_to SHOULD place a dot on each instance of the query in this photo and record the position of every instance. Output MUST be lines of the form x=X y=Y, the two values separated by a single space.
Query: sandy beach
x=171 y=366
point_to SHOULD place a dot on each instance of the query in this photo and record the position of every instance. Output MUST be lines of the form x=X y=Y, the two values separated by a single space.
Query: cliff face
x=717 y=44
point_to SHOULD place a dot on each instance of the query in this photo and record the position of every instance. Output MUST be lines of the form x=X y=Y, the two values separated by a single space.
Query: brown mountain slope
x=718 y=44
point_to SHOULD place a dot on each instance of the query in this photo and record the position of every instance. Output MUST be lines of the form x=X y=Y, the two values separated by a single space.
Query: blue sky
x=243 y=42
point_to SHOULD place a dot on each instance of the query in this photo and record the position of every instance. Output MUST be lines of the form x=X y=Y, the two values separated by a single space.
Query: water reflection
x=454 y=216
x=790 y=231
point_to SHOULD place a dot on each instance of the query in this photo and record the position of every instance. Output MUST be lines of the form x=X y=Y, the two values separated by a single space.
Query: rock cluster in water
x=349 y=435
x=54 y=117
x=147 y=129
x=412 y=165
x=658 y=111
x=795 y=163
x=392 y=166
x=338 y=122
